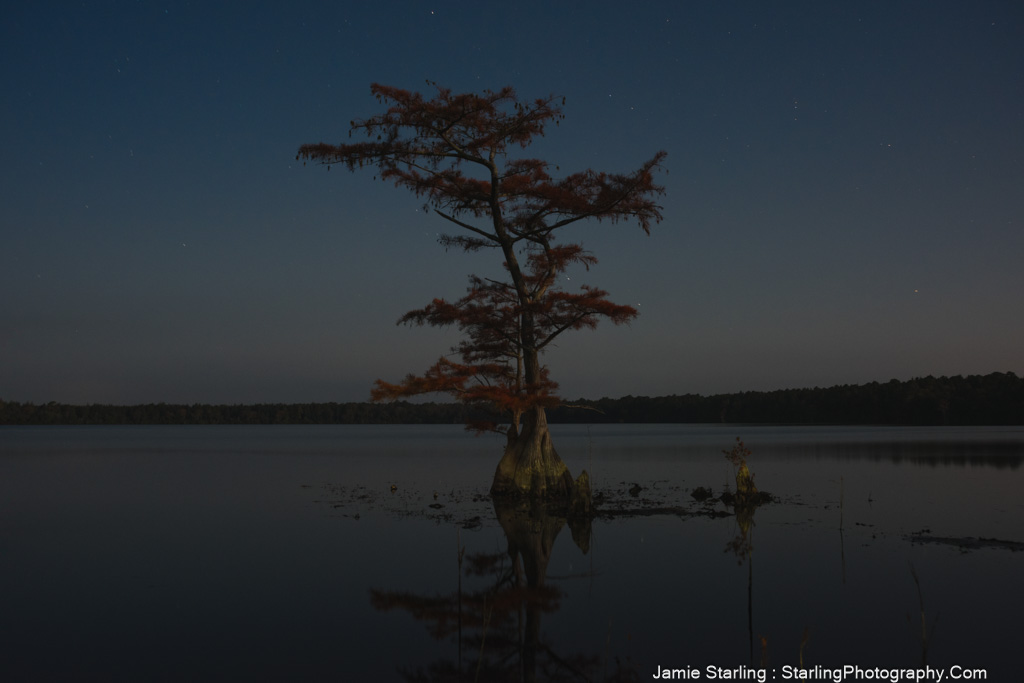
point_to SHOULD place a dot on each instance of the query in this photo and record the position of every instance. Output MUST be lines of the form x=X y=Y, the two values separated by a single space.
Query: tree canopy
x=455 y=150
x=458 y=152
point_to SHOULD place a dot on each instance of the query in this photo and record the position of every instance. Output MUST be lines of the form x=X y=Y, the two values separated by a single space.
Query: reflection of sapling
x=745 y=489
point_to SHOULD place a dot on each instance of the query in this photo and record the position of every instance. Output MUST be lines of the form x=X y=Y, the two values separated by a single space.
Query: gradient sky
x=844 y=199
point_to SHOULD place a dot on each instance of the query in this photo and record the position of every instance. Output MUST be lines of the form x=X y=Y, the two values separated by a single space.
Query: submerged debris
x=702 y=493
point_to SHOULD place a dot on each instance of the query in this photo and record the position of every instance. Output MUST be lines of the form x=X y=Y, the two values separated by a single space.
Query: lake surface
x=281 y=553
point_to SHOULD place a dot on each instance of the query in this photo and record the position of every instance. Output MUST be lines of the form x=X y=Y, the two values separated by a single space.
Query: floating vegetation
x=964 y=543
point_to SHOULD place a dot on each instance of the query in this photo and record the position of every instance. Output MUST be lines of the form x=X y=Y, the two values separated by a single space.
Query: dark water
x=280 y=553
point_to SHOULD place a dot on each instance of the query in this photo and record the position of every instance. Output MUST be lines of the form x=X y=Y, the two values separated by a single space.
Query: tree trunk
x=531 y=531
x=530 y=467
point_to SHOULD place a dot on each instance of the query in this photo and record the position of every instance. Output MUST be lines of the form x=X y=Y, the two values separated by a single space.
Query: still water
x=281 y=553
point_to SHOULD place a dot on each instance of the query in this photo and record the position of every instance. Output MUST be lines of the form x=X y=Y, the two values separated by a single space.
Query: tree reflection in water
x=742 y=545
x=497 y=627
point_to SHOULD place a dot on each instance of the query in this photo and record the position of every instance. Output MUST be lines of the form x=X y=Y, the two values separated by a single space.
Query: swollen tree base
x=530 y=468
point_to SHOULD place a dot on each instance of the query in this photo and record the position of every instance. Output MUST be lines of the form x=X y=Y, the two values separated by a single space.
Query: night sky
x=844 y=201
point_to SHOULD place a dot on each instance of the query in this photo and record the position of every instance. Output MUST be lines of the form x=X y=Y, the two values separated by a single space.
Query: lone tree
x=455 y=150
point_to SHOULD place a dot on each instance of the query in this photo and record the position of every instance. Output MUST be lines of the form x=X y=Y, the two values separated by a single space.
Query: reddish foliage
x=454 y=150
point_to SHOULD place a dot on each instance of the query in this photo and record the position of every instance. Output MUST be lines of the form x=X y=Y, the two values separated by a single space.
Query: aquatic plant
x=745 y=489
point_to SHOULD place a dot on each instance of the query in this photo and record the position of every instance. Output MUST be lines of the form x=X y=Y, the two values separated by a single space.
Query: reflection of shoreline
x=998 y=454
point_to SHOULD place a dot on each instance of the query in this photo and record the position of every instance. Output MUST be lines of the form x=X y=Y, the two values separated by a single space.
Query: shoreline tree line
x=993 y=399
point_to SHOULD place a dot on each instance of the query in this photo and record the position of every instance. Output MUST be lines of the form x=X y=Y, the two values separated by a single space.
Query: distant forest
x=995 y=399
